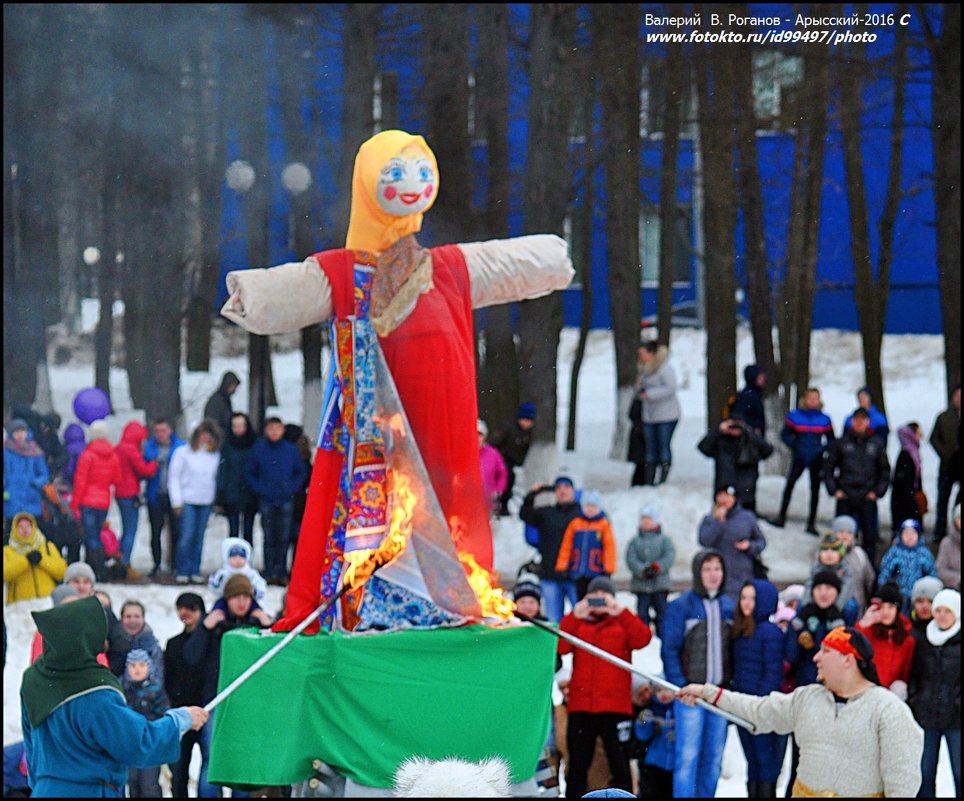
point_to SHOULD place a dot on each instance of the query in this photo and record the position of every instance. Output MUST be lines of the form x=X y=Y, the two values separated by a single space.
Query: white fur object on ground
x=417 y=777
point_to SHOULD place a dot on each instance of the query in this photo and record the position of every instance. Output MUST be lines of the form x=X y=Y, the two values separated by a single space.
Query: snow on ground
x=914 y=388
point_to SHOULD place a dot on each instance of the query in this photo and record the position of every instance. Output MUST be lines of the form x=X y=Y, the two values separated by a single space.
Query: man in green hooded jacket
x=79 y=734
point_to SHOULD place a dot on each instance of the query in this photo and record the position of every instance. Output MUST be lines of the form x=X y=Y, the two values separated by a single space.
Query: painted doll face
x=406 y=184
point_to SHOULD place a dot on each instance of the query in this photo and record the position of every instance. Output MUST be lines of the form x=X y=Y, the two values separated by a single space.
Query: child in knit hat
x=237 y=584
x=527 y=594
x=649 y=556
x=588 y=546
x=830 y=556
x=844 y=527
x=145 y=696
x=236 y=555
x=907 y=560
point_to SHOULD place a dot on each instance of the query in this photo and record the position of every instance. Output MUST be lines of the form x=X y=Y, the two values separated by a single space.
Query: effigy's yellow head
x=394 y=183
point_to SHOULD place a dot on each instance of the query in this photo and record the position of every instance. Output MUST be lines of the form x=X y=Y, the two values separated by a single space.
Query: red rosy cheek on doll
x=428 y=190
x=390 y=193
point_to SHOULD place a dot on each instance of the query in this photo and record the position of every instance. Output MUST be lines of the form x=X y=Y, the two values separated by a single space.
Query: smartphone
x=596 y=601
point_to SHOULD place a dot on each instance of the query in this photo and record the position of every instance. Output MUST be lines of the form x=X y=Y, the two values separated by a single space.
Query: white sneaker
x=198 y=580
x=181 y=580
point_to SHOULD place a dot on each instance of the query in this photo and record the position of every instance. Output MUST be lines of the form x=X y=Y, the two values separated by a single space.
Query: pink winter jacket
x=495 y=475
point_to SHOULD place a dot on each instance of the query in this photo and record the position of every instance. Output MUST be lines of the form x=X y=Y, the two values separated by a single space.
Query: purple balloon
x=91 y=404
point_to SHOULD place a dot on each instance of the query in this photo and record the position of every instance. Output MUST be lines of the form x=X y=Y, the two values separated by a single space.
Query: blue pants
x=276 y=524
x=929 y=757
x=92 y=521
x=190 y=542
x=554 y=594
x=658 y=436
x=129 y=508
x=700 y=738
x=656 y=601
x=764 y=755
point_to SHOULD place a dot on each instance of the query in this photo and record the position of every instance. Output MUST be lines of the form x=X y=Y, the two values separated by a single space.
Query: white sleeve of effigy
x=278 y=300
x=521 y=268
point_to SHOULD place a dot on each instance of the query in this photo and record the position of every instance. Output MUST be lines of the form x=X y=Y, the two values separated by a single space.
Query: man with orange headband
x=856 y=738
x=384 y=292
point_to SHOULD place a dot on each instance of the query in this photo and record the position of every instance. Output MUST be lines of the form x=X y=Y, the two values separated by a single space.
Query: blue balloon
x=91 y=404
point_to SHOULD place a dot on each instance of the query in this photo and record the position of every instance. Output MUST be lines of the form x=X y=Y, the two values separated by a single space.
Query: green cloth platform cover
x=365 y=702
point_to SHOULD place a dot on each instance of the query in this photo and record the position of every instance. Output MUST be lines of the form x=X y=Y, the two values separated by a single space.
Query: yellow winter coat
x=23 y=579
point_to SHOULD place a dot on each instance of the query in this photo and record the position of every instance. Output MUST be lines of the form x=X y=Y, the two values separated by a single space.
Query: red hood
x=134 y=433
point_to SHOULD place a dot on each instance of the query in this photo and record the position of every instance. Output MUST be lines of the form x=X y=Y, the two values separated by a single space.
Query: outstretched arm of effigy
x=521 y=268
x=278 y=300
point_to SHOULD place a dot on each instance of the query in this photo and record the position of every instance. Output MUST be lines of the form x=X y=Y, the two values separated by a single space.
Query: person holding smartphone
x=600 y=694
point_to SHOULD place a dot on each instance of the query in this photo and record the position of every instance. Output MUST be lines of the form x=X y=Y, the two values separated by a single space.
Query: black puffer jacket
x=857 y=464
x=512 y=441
x=551 y=521
x=934 y=690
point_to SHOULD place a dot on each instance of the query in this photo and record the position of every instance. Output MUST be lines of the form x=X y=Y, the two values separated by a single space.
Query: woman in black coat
x=934 y=690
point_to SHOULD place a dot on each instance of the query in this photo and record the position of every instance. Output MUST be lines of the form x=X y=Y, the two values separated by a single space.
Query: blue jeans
x=658 y=436
x=190 y=542
x=92 y=521
x=129 y=509
x=700 y=737
x=928 y=760
x=554 y=594
x=764 y=755
x=276 y=524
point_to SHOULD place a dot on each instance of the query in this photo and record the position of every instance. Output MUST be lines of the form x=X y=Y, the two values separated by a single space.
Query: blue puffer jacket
x=758 y=659
x=150 y=453
x=24 y=474
x=904 y=566
x=807 y=432
x=685 y=630
x=655 y=726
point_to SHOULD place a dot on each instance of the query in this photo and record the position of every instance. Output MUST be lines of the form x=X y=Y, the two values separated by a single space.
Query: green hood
x=73 y=633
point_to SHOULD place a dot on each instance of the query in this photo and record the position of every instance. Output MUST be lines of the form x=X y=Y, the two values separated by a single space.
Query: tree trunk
x=677 y=71
x=946 y=138
x=246 y=57
x=615 y=53
x=145 y=148
x=547 y=182
x=871 y=294
x=714 y=85
x=295 y=79
x=498 y=367
x=751 y=203
x=208 y=168
x=582 y=251
x=445 y=92
x=361 y=25
x=33 y=40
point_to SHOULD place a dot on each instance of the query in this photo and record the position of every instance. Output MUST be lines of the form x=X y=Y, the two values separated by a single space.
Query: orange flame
x=362 y=563
x=494 y=603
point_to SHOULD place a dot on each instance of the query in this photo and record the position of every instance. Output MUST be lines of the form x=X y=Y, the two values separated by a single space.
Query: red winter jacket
x=132 y=465
x=893 y=661
x=596 y=685
x=97 y=469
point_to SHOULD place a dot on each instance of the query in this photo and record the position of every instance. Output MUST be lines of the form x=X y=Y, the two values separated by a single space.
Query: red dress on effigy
x=431 y=355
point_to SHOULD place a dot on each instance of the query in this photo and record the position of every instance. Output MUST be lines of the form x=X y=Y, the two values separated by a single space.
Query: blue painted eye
x=396 y=174
x=425 y=174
